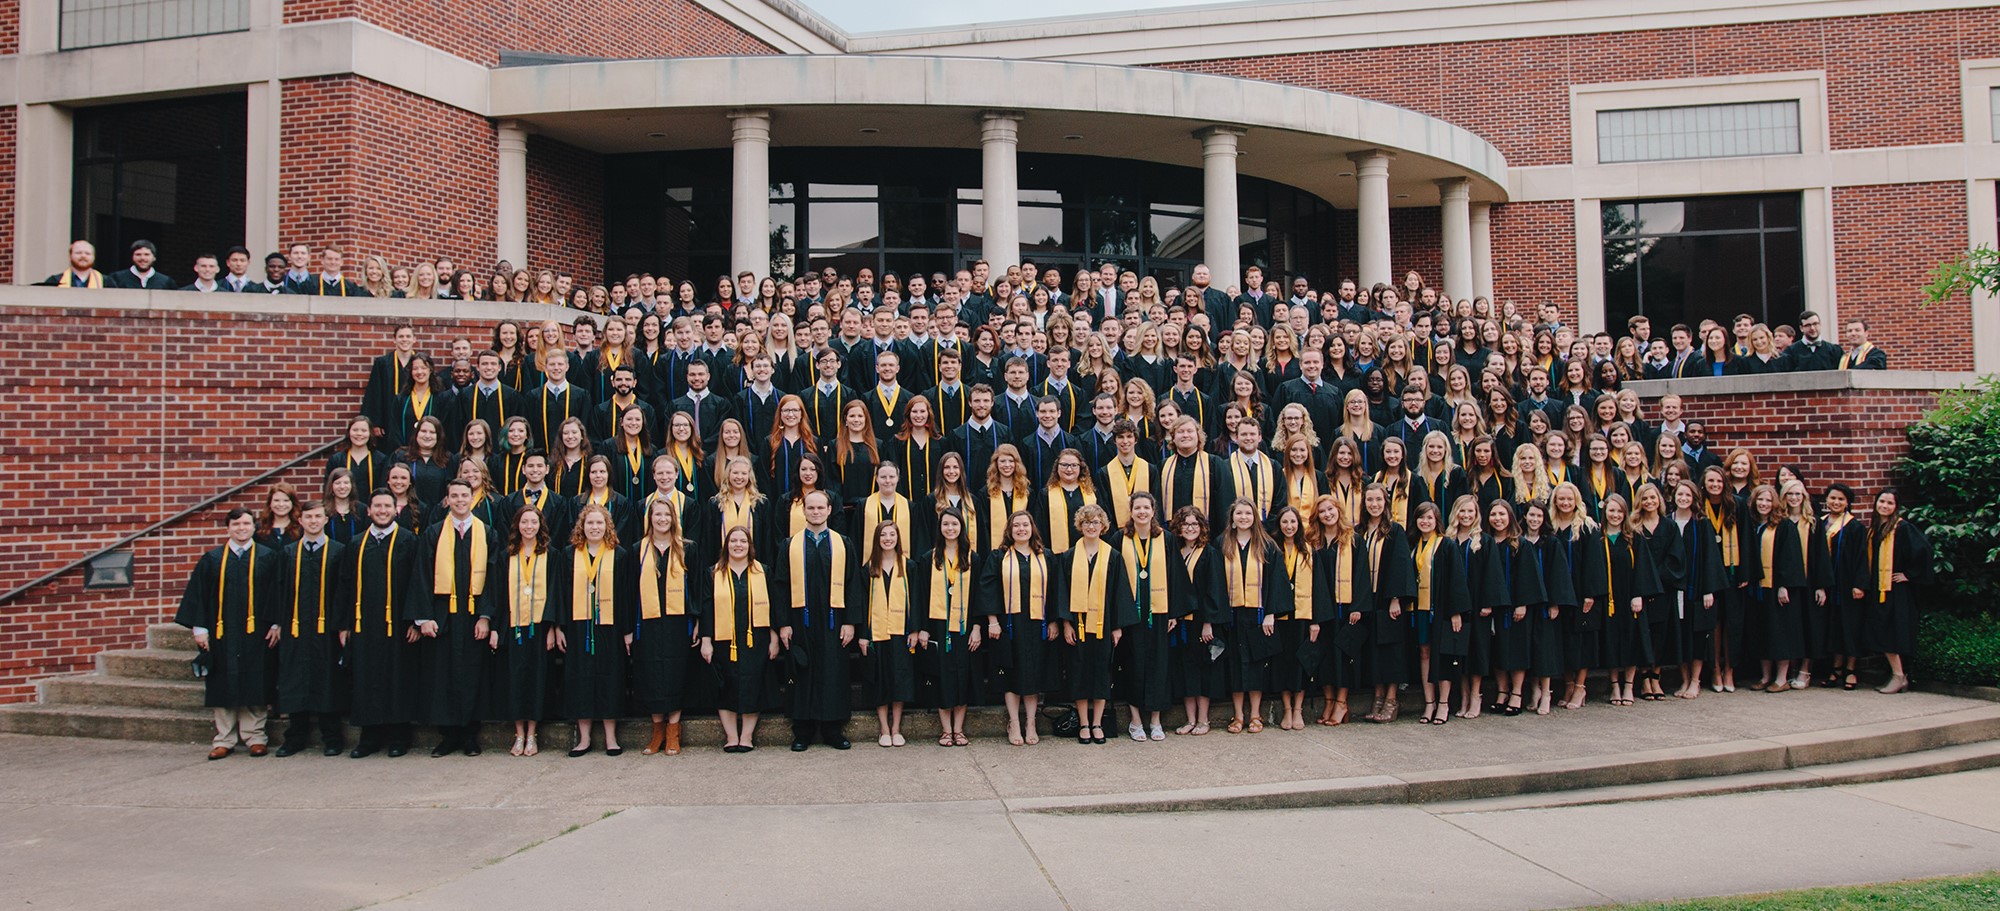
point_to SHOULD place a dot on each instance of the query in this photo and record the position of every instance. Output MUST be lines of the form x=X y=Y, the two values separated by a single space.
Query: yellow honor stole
x=1343 y=572
x=1426 y=553
x=1245 y=576
x=651 y=605
x=736 y=513
x=1038 y=587
x=91 y=279
x=388 y=581
x=445 y=568
x=1885 y=564
x=528 y=582
x=1299 y=569
x=948 y=593
x=593 y=572
x=760 y=603
x=1088 y=575
x=1767 y=546
x=222 y=586
x=1732 y=554
x=1124 y=483
x=1059 y=513
x=1000 y=509
x=836 y=574
x=897 y=510
x=1257 y=480
x=298 y=567
x=888 y=604
x=1199 y=494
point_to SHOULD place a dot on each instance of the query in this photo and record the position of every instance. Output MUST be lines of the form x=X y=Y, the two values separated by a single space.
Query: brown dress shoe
x=673 y=746
x=219 y=752
x=258 y=749
x=659 y=736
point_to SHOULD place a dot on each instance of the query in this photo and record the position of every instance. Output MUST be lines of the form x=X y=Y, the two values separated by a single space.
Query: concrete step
x=108 y=722
x=147 y=663
x=135 y=692
x=169 y=636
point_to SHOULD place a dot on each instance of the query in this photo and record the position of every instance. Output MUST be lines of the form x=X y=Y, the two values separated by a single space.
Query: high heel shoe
x=1429 y=707
x=657 y=740
x=1897 y=683
x=1513 y=708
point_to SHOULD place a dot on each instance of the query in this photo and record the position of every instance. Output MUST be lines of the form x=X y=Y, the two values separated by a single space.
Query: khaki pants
x=244 y=723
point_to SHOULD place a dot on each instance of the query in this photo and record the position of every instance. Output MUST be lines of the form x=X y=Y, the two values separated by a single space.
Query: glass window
x=1041 y=229
x=168 y=171
x=843 y=224
x=1174 y=235
x=1682 y=261
x=95 y=23
x=1698 y=131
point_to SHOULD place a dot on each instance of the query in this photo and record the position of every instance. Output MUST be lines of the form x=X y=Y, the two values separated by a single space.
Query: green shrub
x=1951 y=489
x=1954 y=649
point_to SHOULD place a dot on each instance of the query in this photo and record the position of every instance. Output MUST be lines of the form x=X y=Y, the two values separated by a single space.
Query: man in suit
x=1048 y=439
x=238 y=280
x=1415 y=423
x=141 y=274
x=707 y=408
x=1320 y=398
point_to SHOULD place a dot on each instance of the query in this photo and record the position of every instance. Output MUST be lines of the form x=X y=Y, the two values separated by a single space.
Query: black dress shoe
x=444 y=748
x=580 y=751
x=472 y=748
x=333 y=749
x=732 y=748
x=396 y=751
x=289 y=749
x=799 y=746
x=614 y=751
x=838 y=742
x=363 y=750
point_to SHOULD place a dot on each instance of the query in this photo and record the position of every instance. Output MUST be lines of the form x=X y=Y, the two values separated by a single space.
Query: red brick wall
x=566 y=209
x=1891 y=80
x=1416 y=242
x=1848 y=435
x=1534 y=255
x=479 y=30
x=10 y=26
x=8 y=134
x=376 y=169
x=198 y=403
x=1886 y=241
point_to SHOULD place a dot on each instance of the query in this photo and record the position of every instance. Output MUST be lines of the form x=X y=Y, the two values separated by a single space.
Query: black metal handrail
x=174 y=519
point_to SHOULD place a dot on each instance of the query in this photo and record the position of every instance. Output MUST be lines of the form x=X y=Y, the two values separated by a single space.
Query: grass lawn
x=1970 y=893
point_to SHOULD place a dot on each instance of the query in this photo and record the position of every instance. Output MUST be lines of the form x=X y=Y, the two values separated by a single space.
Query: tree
x=1968 y=272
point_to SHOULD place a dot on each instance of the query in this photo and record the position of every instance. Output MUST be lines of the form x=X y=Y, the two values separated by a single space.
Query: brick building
x=1678 y=159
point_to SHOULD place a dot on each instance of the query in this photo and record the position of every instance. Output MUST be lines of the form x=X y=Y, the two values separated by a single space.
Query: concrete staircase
x=136 y=694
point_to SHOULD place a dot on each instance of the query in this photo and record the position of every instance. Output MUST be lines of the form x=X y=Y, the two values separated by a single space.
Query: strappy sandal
x=520 y=746
x=1199 y=730
x=1185 y=729
x=1256 y=726
x=958 y=739
x=944 y=739
x=1235 y=726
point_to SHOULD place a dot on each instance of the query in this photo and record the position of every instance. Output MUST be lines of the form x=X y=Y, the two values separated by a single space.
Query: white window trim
x=1978 y=79
x=1592 y=183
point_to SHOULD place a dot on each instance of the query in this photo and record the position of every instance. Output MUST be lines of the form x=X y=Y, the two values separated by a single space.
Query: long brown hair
x=843 y=448
x=514 y=541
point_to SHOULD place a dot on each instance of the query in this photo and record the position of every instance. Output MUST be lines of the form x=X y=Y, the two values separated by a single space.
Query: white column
x=1220 y=246
x=260 y=178
x=510 y=206
x=44 y=159
x=1455 y=226
x=750 y=192
x=1983 y=228
x=1371 y=217
x=999 y=190
x=1482 y=252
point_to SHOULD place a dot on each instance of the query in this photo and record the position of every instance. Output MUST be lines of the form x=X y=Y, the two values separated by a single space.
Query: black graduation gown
x=594 y=651
x=454 y=664
x=1197 y=669
x=517 y=685
x=1144 y=658
x=1298 y=653
x=1579 y=629
x=548 y=410
x=1613 y=574
x=1591 y=503
x=369 y=472
x=916 y=463
x=311 y=675
x=238 y=607
x=1664 y=611
x=744 y=672
x=1088 y=665
x=1248 y=650
x=388 y=382
x=1019 y=660
x=662 y=645
x=1394 y=576
x=382 y=664
x=1696 y=571
x=946 y=662
x=1344 y=636
x=1548 y=558
x=428 y=479
x=404 y=416
x=818 y=665
x=1781 y=634
x=853 y=481
x=889 y=669
x=1844 y=549
x=1505 y=577
x=1453 y=594
x=1890 y=618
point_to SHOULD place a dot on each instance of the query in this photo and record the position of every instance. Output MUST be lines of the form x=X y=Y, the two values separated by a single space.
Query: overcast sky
x=885 y=15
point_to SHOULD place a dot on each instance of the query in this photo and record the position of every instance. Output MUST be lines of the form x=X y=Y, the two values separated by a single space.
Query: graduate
x=1159 y=600
x=1091 y=597
x=1776 y=568
x=237 y=643
x=1437 y=478
x=914 y=450
x=557 y=400
x=672 y=602
x=535 y=493
x=312 y=678
x=1843 y=546
x=278 y=521
x=1298 y=633
x=1006 y=493
x=1395 y=479
x=389 y=384
x=1344 y=476
x=505 y=465
x=1258 y=593
x=1797 y=507
x=368 y=467
x=1618 y=577
x=1544 y=562
x=1126 y=475
x=887 y=633
x=1198 y=678
x=431 y=464
x=632 y=450
x=738 y=503
x=1192 y=476
x=1886 y=580
x=738 y=640
x=1693 y=577
x=429 y=396
x=380 y=647
x=487 y=400
x=528 y=609
x=597 y=492
x=1343 y=638
x=1580 y=629
x=411 y=513
x=1441 y=611
x=1729 y=517
x=885 y=503
x=591 y=636
x=1253 y=474
x=854 y=459
x=1057 y=504
x=949 y=633
x=813 y=574
x=453 y=607
x=1648 y=522
x=790 y=441
x=1393 y=581
x=1020 y=622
